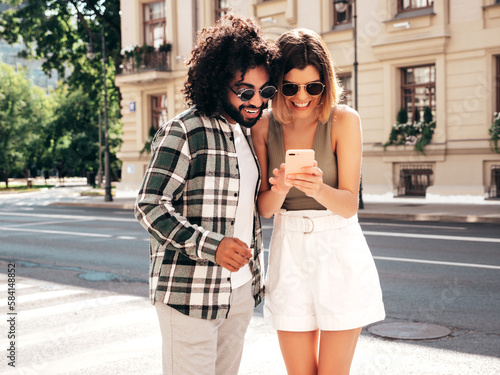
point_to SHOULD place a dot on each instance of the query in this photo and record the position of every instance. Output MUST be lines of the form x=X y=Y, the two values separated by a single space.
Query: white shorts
x=321 y=274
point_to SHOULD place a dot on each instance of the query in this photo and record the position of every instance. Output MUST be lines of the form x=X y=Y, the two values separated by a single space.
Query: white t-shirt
x=243 y=225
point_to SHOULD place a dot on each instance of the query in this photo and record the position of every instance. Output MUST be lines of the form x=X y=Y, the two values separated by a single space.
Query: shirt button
x=231 y=138
x=237 y=166
x=232 y=222
x=235 y=194
x=228 y=279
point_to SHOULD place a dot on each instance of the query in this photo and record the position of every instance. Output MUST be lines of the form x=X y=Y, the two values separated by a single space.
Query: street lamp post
x=99 y=171
x=341 y=6
x=107 y=169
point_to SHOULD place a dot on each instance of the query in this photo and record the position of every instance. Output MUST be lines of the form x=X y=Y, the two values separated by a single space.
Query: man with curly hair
x=198 y=202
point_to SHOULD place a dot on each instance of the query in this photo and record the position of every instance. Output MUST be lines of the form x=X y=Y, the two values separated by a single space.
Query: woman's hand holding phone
x=309 y=181
x=278 y=181
x=302 y=172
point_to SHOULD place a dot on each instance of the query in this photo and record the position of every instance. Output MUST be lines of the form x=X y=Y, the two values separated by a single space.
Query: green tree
x=72 y=137
x=59 y=31
x=24 y=113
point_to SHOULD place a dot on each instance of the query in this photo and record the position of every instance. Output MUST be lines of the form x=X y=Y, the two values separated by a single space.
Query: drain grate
x=98 y=276
x=409 y=331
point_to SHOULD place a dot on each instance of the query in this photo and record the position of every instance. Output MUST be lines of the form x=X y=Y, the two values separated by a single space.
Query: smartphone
x=295 y=160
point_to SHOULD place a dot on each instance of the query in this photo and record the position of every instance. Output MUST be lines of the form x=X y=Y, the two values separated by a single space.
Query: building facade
x=420 y=57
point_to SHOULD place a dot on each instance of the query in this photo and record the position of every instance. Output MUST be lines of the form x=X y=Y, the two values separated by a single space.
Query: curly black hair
x=233 y=45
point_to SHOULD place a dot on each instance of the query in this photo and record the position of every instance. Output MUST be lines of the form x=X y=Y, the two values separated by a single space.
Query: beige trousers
x=192 y=346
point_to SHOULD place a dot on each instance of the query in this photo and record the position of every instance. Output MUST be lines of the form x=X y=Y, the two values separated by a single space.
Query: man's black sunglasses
x=247 y=94
x=313 y=88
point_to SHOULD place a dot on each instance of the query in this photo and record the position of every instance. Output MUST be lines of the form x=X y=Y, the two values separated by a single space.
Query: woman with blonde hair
x=322 y=283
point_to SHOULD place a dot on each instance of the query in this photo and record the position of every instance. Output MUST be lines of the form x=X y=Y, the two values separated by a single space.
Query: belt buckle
x=312 y=224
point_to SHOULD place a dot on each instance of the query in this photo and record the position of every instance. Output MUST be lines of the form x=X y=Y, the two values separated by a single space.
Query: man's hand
x=232 y=254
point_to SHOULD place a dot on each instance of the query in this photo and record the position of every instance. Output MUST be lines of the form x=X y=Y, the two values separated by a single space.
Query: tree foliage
x=58 y=31
x=73 y=135
x=25 y=111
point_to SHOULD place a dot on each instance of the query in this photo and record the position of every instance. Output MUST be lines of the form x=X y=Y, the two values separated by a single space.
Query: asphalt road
x=81 y=294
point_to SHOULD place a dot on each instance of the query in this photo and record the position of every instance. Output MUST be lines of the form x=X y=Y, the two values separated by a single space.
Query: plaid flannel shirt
x=187 y=202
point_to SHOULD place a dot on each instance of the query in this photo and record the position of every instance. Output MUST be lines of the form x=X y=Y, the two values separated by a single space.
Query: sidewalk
x=453 y=209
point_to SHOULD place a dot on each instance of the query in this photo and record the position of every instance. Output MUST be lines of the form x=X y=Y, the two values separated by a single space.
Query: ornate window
x=155 y=24
x=158 y=111
x=342 y=13
x=346 y=82
x=221 y=8
x=418 y=90
x=409 y=5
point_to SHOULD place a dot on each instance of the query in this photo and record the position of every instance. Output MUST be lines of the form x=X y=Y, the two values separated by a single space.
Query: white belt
x=302 y=221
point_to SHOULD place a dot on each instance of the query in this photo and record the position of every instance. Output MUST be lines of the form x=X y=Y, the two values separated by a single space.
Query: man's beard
x=236 y=115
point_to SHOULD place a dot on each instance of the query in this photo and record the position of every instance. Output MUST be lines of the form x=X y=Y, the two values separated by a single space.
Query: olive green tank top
x=326 y=158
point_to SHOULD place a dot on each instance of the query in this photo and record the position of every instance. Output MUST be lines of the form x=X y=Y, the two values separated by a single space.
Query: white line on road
x=42 y=296
x=127 y=238
x=471 y=265
x=72 y=217
x=432 y=236
x=24 y=225
x=45 y=231
x=4 y=285
x=100 y=324
x=76 y=306
x=412 y=225
x=103 y=354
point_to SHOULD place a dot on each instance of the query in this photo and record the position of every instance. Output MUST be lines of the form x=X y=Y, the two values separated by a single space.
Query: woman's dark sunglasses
x=247 y=94
x=313 y=88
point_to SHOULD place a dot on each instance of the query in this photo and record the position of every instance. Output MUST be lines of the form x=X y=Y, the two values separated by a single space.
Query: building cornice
x=146 y=77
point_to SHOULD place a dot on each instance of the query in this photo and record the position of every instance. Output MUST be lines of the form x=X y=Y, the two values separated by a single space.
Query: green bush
x=494 y=131
x=417 y=133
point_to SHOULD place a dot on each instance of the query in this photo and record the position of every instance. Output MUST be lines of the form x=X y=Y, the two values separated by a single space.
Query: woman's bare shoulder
x=261 y=128
x=345 y=117
x=345 y=113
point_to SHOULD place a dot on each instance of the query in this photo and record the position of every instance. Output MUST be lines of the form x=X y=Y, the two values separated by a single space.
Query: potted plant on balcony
x=494 y=131
x=165 y=47
x=417 y=133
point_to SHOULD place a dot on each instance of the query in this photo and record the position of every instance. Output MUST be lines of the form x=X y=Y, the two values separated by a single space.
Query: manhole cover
x=409 y=331
x=97 y=276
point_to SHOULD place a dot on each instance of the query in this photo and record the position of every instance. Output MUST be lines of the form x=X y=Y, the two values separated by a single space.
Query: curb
x=431 y=217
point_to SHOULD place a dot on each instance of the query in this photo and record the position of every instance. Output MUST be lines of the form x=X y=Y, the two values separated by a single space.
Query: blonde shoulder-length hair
x=300 y=48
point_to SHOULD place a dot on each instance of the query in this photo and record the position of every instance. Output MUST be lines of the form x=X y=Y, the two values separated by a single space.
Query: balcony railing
x=146 y=62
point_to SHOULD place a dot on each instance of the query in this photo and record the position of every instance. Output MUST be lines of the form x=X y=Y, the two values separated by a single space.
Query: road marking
x=81 y=234
x=470 y=265
x=432 y=236
x=95 y=358
x=72 y=217
x=140 y=337
x=42 y=296
x=4 y=286
x=23 y=225
x=101 y=324
x=412 y=225
x=46 y=231
x=76 y=306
